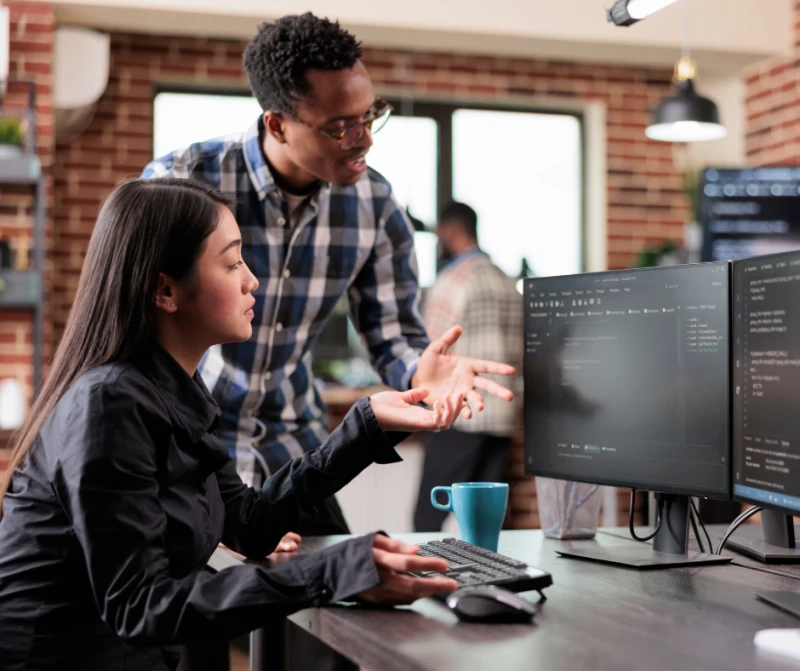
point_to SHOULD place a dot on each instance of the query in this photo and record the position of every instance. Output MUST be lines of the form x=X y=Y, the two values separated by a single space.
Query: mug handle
x=447 y=507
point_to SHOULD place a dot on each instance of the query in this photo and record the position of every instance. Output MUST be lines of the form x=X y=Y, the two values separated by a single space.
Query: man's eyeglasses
x=349 y=136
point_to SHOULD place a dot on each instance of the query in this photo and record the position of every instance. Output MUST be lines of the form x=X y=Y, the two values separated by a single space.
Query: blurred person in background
x=470 y=290
x=316 y=224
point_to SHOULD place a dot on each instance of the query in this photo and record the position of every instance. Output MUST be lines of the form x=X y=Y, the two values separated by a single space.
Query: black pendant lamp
x=686 y=116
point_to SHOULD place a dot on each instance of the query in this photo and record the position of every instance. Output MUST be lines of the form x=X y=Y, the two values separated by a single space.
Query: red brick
x=27 y=46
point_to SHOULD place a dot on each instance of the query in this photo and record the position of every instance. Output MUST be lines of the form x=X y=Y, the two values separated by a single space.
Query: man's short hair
x=279 y=56
x=462 y=215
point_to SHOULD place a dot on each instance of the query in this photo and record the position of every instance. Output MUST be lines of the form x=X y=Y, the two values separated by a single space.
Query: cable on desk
x=702 y=526
x=630 y=520
x=747 y=514
x=694 y=518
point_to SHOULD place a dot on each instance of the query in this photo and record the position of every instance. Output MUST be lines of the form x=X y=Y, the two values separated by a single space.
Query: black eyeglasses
x=349 y=136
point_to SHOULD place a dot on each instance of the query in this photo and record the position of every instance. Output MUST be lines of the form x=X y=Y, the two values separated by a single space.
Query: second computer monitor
x=627 y=379
x=766 y=379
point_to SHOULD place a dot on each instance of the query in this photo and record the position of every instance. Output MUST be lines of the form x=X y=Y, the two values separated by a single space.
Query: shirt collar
x=188 y=398
x=257 y=167
x=256 y=162
x=473 y=251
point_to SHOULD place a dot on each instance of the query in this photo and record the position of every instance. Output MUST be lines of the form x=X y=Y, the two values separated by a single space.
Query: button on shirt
x=346 y=239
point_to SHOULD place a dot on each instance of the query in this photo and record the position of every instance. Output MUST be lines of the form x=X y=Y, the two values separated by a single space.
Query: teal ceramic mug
x=479 y=507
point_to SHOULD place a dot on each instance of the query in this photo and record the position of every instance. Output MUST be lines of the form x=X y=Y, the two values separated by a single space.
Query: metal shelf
x=22 y=169
x=23 y=289
x=20 y=288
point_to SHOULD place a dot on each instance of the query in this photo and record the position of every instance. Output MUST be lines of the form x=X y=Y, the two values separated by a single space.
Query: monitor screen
x=627 y=378
x=748 y=212
x=766 y=378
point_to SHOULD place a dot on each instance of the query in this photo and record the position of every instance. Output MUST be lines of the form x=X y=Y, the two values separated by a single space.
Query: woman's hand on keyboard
x=398 y=411
x=395 y=560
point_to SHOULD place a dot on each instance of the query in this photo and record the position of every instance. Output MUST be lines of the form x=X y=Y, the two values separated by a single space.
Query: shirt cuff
x=342 y=571
x=382 y=442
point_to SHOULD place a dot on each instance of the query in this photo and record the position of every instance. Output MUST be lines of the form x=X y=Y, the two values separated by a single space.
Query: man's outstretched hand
x=443 y=374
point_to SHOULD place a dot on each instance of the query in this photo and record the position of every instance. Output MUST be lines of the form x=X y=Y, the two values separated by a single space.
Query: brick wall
x=773 y=103
x=645 y=199
x=31 y=47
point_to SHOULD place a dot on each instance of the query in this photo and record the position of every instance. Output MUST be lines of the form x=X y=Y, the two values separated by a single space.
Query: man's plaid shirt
x=353 y=239
x=473 y=292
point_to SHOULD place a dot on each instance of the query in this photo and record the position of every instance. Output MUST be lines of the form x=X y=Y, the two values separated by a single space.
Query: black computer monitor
x=627 y=384
x=766 y=403
x=749 y=211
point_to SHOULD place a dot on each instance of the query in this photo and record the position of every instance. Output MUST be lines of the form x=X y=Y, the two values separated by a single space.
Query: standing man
x=472 y=291
x=316 y=223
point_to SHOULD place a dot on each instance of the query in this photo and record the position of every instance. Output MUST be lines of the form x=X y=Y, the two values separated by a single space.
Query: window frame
x=442 y=112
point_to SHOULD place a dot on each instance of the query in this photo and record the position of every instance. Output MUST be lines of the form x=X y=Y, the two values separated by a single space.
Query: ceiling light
x=686 y=116
x=627 y=12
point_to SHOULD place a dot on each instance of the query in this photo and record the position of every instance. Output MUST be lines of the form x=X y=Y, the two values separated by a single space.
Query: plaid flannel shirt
x=353 y=239
x=473 y=292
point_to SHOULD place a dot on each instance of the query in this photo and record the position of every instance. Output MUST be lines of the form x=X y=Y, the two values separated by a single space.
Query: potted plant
x=12 y=136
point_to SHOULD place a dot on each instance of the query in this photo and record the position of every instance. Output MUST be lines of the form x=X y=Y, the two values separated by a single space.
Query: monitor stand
x=670 y=545
x=773 y=542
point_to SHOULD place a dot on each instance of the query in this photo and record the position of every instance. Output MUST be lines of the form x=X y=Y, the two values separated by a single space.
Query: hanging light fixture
x=628 y=12
x=686 y=116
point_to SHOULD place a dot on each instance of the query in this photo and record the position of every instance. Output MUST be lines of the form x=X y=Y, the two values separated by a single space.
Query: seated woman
x=118 y=492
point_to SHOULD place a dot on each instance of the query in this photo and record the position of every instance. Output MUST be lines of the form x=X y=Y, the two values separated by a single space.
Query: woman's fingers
x=395 y=559
x=408 y=563
x=447 y=415
x=394 y=545
x=458 y=403
x=417 y=588
x=438 y=414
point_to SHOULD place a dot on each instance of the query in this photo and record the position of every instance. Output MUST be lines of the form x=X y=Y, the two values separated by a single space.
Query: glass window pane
x=179 y=119
x=405 y=152
x=522 y=174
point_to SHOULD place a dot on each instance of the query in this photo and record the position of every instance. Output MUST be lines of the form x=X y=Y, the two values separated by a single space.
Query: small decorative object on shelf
x=12 y=136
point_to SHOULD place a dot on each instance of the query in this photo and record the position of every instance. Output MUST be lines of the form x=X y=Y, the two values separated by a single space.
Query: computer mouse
x=490 y=604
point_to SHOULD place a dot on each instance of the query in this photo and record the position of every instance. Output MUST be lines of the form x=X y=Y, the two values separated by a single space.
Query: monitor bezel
x=669 y=489
x=737 y=497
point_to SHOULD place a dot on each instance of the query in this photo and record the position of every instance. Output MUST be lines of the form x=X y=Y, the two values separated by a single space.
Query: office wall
x=645 y=199
x=773 y=107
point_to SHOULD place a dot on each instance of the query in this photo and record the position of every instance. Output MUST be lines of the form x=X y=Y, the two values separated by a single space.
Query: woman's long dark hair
x=145 y=227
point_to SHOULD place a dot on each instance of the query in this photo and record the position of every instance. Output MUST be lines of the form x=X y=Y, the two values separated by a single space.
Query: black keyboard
x=470 y=566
